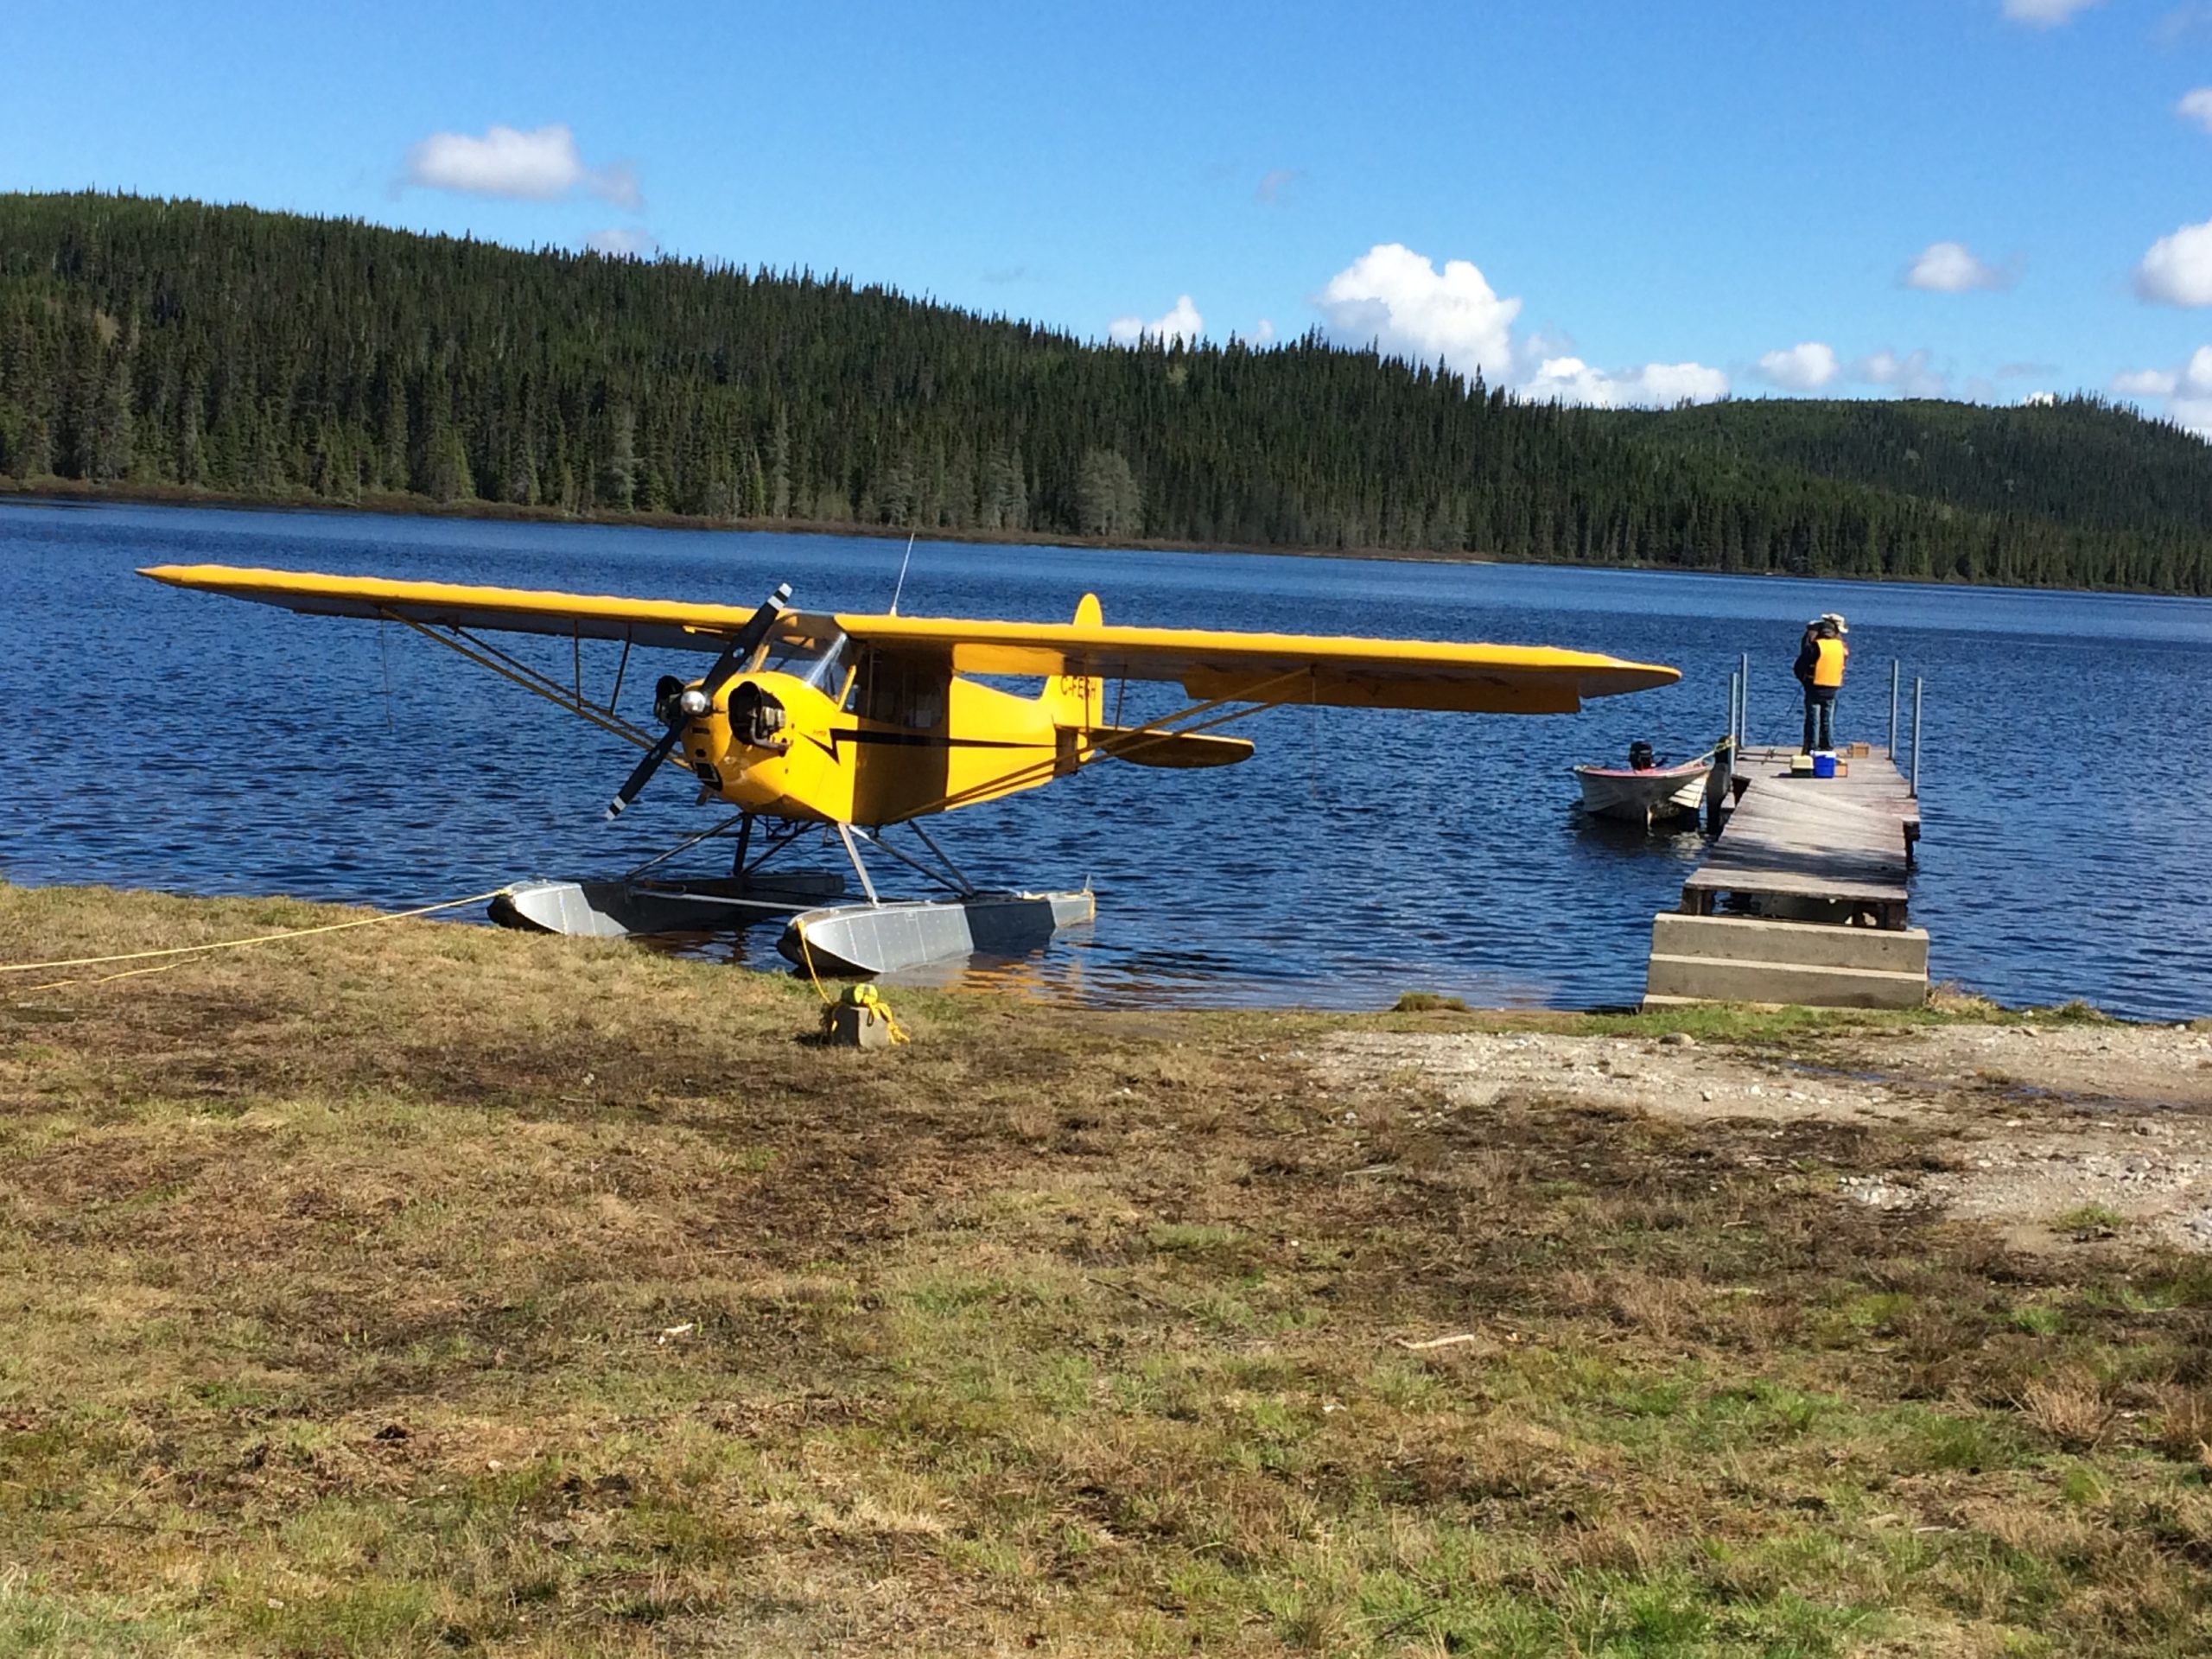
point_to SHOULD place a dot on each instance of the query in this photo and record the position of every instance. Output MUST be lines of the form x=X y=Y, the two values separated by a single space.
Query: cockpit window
x=819 y=661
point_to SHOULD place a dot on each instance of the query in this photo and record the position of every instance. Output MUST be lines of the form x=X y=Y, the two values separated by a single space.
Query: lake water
x=158 y=739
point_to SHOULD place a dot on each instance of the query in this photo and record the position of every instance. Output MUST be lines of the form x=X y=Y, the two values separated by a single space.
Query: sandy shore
x=2033 y=1126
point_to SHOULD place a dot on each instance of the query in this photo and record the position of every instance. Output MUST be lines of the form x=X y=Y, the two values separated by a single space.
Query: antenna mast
x=901 y=586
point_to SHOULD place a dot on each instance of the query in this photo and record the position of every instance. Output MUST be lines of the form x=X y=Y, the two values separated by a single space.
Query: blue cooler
x=1824 y=764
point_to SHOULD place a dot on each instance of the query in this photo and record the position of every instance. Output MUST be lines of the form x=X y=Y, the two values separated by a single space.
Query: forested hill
x=168 y=345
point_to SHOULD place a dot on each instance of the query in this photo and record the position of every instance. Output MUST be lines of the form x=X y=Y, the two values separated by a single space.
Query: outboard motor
x=1640 y=757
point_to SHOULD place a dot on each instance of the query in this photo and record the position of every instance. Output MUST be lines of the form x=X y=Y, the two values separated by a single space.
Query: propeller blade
x=646 y=768
x=741 y=645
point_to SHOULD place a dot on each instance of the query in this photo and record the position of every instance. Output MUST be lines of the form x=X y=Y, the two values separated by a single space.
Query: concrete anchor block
x=850 y=1026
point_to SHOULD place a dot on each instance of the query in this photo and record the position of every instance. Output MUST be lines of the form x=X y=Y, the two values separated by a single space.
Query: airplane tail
x=1076 y=702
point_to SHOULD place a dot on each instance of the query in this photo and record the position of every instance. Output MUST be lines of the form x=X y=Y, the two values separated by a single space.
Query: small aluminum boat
x=1645 y=795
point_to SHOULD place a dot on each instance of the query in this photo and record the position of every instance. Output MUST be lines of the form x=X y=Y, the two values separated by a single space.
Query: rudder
x=1076 y=702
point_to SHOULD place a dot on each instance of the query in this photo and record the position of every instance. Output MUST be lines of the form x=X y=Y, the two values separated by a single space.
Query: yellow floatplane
x=860 y=724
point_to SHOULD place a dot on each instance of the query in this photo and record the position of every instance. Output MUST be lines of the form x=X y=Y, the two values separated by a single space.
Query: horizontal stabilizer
x=1178 y=751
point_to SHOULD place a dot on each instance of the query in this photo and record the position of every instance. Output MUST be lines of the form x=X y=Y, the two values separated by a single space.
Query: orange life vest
x=1829 y=670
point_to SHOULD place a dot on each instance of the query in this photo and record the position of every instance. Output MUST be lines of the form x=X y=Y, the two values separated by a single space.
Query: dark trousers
x=1819 y=717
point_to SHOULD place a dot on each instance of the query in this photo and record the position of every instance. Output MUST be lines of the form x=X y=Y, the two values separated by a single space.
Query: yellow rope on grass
x=860 y=997
x=196 y=953
x=868 y=996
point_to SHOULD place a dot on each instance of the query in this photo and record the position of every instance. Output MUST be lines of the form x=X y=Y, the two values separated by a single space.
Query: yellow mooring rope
x=195 y=952
x=806 y=951
x=867 y=996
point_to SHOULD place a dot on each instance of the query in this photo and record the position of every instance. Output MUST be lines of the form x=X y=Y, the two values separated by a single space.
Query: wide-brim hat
x=1840 y=625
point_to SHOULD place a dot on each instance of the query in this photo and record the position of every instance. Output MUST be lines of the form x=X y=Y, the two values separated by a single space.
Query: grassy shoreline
x=421 y=1289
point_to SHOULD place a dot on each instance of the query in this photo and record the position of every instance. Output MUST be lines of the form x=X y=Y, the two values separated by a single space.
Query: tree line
x=148 y=343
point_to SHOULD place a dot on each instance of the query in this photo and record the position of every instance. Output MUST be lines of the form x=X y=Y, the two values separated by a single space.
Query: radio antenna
x=901 y=586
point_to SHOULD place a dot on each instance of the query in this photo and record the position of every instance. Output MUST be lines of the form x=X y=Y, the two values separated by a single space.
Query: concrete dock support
x=1749 y=959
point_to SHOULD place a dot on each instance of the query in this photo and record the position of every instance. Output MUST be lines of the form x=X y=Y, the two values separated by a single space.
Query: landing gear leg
x=947 y=877
x=845 y=835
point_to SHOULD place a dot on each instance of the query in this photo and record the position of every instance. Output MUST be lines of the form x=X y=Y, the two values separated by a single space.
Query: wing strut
x=486 y=655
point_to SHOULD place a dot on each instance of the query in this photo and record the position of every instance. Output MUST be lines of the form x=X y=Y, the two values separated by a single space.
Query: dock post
x=1896 y=669
x=1916 y=736
x=1734 y=687
x=1743 y=697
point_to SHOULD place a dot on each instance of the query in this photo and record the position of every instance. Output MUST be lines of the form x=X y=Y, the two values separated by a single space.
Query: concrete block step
x=1709 y=979
x=1809 y=944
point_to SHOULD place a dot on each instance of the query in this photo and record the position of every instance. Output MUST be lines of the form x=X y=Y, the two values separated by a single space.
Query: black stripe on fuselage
x=914 y=740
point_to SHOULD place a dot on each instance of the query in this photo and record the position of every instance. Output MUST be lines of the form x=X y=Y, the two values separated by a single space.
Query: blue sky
x=1606 y=199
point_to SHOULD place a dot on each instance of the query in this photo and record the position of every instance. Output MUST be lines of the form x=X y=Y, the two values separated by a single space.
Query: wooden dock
x=1843 y=842
x=1815 y=872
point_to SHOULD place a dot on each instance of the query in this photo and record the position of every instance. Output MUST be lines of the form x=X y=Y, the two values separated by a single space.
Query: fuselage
x=885 y=742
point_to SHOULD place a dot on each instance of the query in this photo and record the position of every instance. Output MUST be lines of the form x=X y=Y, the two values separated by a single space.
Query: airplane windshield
x=819 y=661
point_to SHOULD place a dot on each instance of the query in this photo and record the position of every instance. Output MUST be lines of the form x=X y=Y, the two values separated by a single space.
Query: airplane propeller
x=701 y=698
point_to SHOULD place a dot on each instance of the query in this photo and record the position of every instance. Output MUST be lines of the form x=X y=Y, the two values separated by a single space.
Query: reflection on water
x=154 y=738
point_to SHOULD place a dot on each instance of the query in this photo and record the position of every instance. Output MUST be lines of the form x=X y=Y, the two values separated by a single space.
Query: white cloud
x=2177 y=270
x=2186 y=390
x=1277 y=185
x=2197 y=106
x=1570 y=380
x=2146 y=383
x=623 y=242
x=1264 y=334
x=2039 y=400
x=1951 y=268
x=1910 y=375
x=1801 y=368
x=1397 y=300
x=540 y=166
x=2044 y=13
x=1183 y=323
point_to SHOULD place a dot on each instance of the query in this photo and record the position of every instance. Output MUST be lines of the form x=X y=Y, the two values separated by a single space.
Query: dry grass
x=2071 y=1407
x=427 y=1289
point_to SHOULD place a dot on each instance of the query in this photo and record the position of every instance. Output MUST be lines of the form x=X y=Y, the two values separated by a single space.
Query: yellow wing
x=1210 y=665
x=450 y=605
x=1288 y=668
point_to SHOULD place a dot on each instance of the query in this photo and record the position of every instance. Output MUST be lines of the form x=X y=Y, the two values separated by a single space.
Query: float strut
x=845 y=835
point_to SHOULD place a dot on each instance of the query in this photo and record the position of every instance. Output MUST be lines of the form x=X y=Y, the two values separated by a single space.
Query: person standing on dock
x=1820 y=658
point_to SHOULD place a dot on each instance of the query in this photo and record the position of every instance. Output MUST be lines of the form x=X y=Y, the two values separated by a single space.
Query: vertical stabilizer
x=1076 y=702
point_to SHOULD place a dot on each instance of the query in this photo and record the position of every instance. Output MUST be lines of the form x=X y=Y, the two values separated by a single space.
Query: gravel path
x=2061 y=1133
